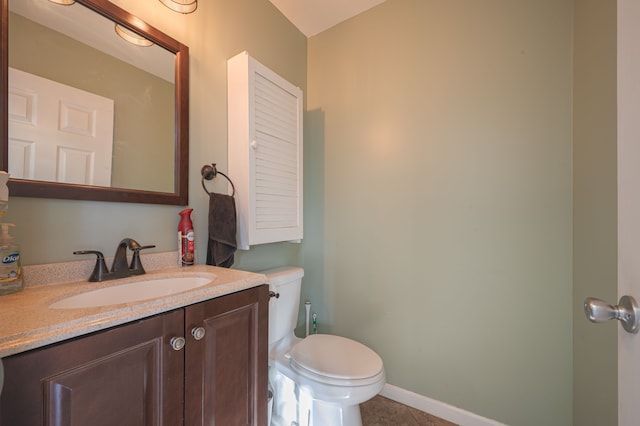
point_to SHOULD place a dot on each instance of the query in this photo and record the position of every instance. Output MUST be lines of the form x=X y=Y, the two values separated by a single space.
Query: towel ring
x=209 y=172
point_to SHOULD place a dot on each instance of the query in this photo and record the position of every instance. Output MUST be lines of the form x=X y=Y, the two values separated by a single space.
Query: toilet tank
x=283 y=311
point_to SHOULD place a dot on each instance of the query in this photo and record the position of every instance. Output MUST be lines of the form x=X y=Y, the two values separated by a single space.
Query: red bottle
x=186 y=239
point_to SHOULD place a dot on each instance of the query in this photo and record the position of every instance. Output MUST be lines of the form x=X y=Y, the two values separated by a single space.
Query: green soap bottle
x=10 y=269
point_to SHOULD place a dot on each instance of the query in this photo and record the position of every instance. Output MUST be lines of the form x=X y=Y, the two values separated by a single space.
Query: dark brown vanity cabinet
x=140 y=374
x=227 y=370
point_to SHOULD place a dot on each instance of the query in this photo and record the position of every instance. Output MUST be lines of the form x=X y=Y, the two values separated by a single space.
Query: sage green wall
x=444 y=134
x=49 y=230
x=594 y=210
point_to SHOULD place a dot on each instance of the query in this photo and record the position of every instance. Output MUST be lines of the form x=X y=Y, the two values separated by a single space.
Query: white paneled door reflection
x=58 y=133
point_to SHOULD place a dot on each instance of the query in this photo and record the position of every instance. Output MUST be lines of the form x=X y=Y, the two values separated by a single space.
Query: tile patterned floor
x=381 y=411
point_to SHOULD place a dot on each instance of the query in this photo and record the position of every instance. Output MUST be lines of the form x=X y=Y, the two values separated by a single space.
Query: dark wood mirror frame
x=41 y=189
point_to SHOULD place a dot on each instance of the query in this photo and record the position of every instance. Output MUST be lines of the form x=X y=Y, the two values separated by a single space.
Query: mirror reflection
x=86 y=106
x=96 y=104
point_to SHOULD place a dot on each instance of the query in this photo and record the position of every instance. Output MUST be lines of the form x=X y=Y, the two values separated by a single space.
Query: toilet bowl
x=319 y=380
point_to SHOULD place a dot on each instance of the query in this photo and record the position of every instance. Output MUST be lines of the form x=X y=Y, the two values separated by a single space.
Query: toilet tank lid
x=277 y=276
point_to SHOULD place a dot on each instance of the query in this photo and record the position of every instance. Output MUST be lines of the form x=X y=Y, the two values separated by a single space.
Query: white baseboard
x=437 y=408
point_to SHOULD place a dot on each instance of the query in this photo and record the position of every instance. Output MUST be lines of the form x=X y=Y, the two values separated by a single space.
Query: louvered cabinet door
x=265 y=152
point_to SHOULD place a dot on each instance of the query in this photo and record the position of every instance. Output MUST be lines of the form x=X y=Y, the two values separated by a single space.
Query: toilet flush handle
x=274 y=294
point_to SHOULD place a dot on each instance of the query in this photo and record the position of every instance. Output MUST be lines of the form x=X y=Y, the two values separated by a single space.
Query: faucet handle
x=100 y=270
x=136 y=265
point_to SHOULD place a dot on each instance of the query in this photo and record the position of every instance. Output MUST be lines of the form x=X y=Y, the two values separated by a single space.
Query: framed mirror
x=94 y=105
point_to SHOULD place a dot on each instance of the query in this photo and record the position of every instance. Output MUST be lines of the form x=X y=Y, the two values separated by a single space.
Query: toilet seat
x=336 y=360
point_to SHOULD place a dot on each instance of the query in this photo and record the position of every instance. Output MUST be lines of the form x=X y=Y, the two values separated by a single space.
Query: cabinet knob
x=254 y=144
x=198 y=332
x=177 y=343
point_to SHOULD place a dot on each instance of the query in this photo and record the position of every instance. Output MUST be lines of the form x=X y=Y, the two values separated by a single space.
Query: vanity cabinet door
x=226 y=367
x=127 y=375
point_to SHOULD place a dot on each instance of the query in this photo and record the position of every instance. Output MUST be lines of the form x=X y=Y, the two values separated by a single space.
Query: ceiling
x=314 y=16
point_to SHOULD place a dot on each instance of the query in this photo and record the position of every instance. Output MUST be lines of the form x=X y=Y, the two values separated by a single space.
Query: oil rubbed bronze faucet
x=119 y=268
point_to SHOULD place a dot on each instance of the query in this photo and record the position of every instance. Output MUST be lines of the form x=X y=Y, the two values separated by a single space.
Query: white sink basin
x=131 y=292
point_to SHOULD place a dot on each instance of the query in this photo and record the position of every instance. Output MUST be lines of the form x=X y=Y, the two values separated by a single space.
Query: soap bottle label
x=10 y=271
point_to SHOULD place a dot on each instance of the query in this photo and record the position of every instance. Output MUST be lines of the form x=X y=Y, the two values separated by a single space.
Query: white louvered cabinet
x=265 y=152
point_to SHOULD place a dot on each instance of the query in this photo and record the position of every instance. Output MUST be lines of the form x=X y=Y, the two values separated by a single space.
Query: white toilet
x=319 y=380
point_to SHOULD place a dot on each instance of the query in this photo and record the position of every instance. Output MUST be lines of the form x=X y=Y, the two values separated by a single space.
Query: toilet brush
x=307 y=307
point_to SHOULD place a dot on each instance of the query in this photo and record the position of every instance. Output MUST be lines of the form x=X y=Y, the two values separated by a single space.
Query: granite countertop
x=27 y=321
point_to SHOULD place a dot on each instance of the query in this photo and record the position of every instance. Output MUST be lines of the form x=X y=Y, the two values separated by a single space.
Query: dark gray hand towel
x=222 y=230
